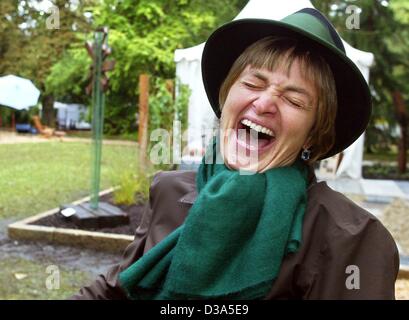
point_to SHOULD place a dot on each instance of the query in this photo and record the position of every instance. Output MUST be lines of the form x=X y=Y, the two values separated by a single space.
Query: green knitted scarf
x=233 y=240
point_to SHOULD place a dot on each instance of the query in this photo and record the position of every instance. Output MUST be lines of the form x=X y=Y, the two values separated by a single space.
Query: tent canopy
x=200 y=114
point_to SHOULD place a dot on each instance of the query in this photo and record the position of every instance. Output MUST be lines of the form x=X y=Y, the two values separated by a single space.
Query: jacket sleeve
x=106 y=287
x=361 y=263
x=163 y=214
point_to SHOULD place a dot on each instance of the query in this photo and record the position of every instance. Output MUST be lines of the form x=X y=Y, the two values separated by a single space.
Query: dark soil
x=134 y=211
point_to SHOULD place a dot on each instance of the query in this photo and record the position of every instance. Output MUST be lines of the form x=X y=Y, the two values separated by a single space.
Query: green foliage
x=182 y=103
x=401 y=10
x=67 y=78
x=29 y=48
x=164 y=110
x=133 y=187
x=119 y=117
x=20 y=116
x=161 y=106
x=6 y=116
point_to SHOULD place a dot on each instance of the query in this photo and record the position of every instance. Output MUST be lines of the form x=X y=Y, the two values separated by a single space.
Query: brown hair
x=277 y=52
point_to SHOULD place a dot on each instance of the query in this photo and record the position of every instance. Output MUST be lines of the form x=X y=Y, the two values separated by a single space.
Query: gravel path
x=12 y=137
x=395 y=217
x=402 y=289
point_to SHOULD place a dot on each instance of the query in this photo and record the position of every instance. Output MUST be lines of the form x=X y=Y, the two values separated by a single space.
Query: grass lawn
x=35 y=177
x=25 y=279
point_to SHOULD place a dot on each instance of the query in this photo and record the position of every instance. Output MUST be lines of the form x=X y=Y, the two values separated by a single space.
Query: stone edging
x=24 y=230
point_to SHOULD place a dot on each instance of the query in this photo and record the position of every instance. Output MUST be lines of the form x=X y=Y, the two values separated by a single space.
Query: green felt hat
x=311 y=28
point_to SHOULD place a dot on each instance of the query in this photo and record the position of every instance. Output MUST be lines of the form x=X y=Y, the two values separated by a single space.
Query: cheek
x=295 y=126
x=236 y=100
x=233 y=106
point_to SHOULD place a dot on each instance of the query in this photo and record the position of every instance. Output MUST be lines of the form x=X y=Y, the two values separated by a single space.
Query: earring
x=305 y=154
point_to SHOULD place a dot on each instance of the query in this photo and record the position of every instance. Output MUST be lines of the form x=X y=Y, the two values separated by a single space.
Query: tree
x=30 y=48
x=143 y=36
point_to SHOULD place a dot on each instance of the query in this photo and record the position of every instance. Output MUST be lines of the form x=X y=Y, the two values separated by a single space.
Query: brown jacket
x=346 y=252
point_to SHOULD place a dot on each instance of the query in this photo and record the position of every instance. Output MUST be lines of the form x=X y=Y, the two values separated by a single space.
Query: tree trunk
x=403 y=119
x=402 y=149
x=48 y=117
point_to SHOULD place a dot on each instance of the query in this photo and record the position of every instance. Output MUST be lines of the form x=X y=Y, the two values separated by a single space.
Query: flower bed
x=51 y=227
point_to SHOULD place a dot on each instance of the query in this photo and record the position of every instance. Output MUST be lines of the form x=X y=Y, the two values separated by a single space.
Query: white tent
x=200 y=114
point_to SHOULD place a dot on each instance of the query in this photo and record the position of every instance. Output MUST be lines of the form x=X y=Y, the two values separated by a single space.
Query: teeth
x=257 y=127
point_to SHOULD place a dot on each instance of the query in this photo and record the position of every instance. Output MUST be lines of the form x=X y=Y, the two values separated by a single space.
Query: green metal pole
x=97 y=121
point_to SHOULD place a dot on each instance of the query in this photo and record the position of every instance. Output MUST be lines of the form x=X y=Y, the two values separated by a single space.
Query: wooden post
x=170 y=87
x=143 y=116
x=403 y=120
x=175 y=149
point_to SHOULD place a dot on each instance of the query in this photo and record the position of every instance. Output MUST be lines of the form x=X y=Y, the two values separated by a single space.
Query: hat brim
x=226 y=44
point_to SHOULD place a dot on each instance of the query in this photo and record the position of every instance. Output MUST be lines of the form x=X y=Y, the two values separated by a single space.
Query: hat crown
x=312 y=21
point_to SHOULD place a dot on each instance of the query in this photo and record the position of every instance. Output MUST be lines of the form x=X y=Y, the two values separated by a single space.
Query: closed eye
x=251 y=85
x=293 y=102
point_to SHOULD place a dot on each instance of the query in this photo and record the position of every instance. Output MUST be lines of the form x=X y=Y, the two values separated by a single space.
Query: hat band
x=311 y=24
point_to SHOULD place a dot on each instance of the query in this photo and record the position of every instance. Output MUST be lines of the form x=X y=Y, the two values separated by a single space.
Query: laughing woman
x=257 y=224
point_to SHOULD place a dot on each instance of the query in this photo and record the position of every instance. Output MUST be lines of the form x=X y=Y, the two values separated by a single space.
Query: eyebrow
x=298 y=90
x=290 y=87
x=259 y=75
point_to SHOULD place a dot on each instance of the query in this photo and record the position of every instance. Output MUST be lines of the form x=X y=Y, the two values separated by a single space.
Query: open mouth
x=253 y=136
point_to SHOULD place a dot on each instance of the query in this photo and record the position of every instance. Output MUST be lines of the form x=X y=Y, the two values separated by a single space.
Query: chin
x=259 y=164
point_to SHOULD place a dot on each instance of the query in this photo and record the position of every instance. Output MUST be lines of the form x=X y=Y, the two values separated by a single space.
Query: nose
x=266 y=102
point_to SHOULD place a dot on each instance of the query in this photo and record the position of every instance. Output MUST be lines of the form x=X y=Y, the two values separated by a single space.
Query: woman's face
x=266 y=118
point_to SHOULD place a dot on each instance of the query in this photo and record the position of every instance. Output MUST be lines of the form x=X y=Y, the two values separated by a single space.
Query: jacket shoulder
x=336 y=206
x=179 y=182
x=346 y=236
x=174 y=175
x=342 y=216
